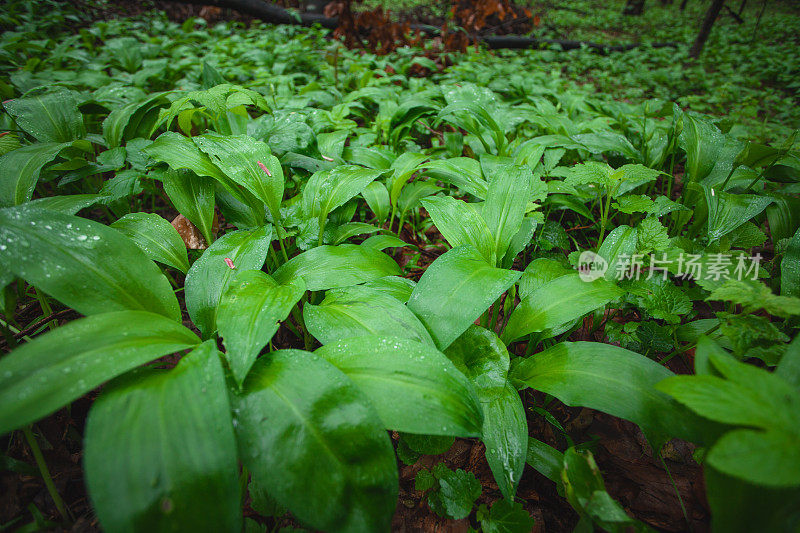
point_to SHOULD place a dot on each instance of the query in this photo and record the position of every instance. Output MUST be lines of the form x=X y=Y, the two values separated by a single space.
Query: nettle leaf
x=728 y=211
x=613 y=380
x=562 y=300
x=753 y=295
x=633 y=203
x=157 y=238
x=753 y=336
x=455 y=290
x=505 y=517
x=210 y=276
x=249 y=163
x=413 y=386
x=661 y=299
x=250 y=311
x=50 y=116
x=745 y=395
x=58 y=367
x=86 y=265
x=332 y=267
x=461 y=224
x=652 y=236
x=299 y=417
x=747 y=236
x=360 y=311
x=160 y=452
x=20 y=169
x=456 y=492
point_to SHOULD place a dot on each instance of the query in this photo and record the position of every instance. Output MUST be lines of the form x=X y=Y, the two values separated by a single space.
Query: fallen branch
x=274 y=14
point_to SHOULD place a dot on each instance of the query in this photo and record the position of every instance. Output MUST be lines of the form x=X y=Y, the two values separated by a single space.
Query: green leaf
x=545 y=459
x=613 y=380
x=661 y=299
x=618 y=245
x=456 y=494
x=404 y=167
x=562 y=300
x=652 y=236
x=301 y=419
x=58 y=367
x=454 y=290
x=360 y=311
x=482 y=357
x=506 y=201
x=211 y=275
x=331 y=267
x=84 y=264
x=505 y=433
x=770 y=458
x=377 y=198
x=193 y=197
x=241 y=158
x=413 y=386
x=328 y=189
x=249 y=314
x=48 y=116
x=728 y=211
x=789 y=366
x=160 y=452
x=463 y=172
x=702 y=142
x=68 y=204
x=461 y=224
x=157 y=238
x=790 y=268
x=19 y=171
x=506 y=517
x=753 y=295
x=539 y=272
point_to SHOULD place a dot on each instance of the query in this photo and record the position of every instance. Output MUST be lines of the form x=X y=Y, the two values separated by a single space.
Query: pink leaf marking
x=264 y=168
x=229 y=263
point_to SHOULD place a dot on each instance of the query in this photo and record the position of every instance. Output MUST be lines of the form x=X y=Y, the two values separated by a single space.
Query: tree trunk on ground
x=633 y=7
x=705 y=29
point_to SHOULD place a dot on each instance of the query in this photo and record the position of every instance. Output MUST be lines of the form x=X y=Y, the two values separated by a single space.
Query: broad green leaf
x=84 y=264
x=241 y=158
x=180 y=152
x=505 y=517
x=728 y=211
x=562 y=300
x=193 y=197
x=68 y=204
x=506 y=200
x=404 y=167
x=481 y=356
x=360 y=311
x=58 y=367
x=462 y=172
x=613 y=380
x=328 y=189
x=789 y=366
x=545 y=459
x=461 y=224
x=619 y=244
x=790 y=268
x=414 y=193
x=455 y=290
x=160 y=453
x=395 y=286
x=249 y=314
x=50 y=117
x=505 y=434
x=377 y=198
x=331 y=267
x=381 y=242
x=300 y=419
x=770 y=458
x=157 y=238
x=20 y=168
x=702 y=143
x=413 y=386
x=124 y=122
x=210 y=276
x=540 y=272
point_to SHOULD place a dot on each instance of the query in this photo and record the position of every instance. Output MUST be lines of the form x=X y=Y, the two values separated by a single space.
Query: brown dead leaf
x=189 y=233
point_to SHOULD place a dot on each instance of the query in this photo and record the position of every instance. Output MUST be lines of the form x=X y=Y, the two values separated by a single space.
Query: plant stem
x=45 y=305
x=48 y=480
